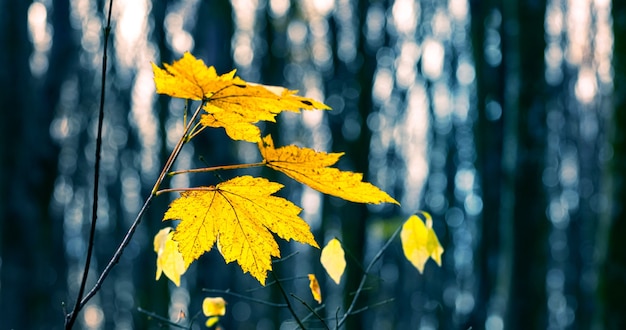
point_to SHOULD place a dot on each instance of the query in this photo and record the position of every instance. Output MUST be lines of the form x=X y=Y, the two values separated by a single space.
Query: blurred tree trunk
x=353 y=216
x=525 y=91
x=488 y=133
x=512 y=257
x=613 y=271
x=32 y=274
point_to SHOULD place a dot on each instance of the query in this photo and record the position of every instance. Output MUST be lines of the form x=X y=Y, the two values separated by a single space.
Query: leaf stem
x=367 y=270
x=217 y=168
x=70 y=318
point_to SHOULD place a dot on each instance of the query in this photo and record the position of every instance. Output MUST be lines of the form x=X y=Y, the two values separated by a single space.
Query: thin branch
x=70 y=318
x=313 y=311
x=380 y=303
x=291 y=310
x=161 y=318
x=131 y=231
x=234 y=294
x=217 y=168
x=367 y=270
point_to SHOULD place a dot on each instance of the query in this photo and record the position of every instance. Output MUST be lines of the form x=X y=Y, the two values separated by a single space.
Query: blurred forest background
x=505 y=119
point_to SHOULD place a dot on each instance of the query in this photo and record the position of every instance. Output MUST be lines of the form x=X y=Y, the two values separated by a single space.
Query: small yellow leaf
x=420 y=242
x=240 y=215
x=169 y=259
x=333 y=260
x=310 y=167
x=214 y=306
x=315 y=288
x=211 y=321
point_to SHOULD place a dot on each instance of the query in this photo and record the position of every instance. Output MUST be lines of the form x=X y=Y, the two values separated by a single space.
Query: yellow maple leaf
x=420 y=242
x=333 y=259
x=314 y=285
x=310 y=167
x=240 y=215
x=190 y=78
x=230 y=102
x=169 y=260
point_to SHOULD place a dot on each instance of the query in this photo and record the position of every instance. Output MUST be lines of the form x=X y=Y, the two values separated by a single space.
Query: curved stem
x=70 y=318
x=367 y=270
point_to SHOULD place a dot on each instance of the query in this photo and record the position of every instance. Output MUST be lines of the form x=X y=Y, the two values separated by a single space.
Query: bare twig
x=234 y=294
x=129 y=234
x=161 y=318
x=291 y=310
x=380 y=303
x=70 y=318
x=364 y=278
x=312 y=310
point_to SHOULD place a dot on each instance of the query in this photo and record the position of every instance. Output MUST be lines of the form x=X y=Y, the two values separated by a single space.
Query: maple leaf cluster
x=241 y=215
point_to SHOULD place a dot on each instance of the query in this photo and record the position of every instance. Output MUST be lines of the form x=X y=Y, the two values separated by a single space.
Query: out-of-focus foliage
x=420 y=242
x=333 y=259
x=316 y=291
x=169 y=259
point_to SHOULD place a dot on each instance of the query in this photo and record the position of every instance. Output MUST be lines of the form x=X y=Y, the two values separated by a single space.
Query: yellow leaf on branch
x=240 y=215
x=230 y=102
x=420 y=242
x=333 y=259
x=169 y=260
x=190 y=78
x=314 y=285
x=310 y=167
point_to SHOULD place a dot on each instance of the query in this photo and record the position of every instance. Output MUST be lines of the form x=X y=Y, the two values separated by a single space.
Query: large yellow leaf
x=420 y=242
x=310 y=167
x=169 y=260
x=333 y=260
x=190 y=78
x=240 y=215
x=230 y=102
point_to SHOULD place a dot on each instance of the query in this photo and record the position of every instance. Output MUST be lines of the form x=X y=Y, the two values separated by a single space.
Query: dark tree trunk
x=613 y=272
x=32 y=276
x=525 y=31
x=488 y=132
